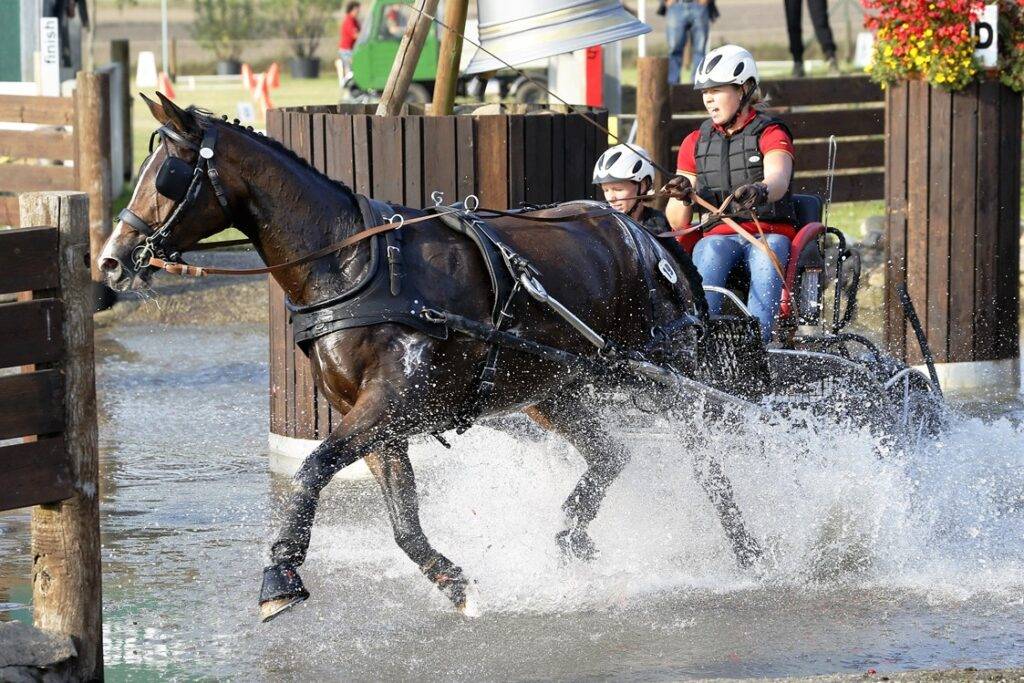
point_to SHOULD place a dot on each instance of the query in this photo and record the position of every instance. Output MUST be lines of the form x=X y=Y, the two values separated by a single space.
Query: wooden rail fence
x=849 y=107
x=541 y=157
x=48 y=438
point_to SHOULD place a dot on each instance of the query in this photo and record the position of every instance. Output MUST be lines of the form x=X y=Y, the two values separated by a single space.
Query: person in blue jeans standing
x=741 y=152
x=686 y=19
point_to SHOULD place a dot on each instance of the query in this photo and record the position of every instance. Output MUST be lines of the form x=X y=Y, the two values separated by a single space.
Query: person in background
x=742 y=152
x=686 y=19
x=347 y=35
x=823 y=32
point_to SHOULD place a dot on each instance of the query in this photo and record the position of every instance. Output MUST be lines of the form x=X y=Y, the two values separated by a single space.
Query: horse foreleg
x=581 y=426
x=363 y=429
x=716 y=484
x=393 y=470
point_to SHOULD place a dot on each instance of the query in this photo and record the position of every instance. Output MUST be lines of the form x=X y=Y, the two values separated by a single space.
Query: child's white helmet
x=726 y=65
x=623 y=162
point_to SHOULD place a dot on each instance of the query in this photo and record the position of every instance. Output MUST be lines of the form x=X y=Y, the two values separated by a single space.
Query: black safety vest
x=724 y=163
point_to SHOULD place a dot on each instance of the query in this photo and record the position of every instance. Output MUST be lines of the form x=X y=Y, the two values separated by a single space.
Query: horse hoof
x=470 y=607
x=272 y=608
x=576 y=544
x=282 y=589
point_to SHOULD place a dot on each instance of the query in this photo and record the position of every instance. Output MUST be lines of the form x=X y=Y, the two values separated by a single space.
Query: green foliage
x=304 y=22
x=221 y=25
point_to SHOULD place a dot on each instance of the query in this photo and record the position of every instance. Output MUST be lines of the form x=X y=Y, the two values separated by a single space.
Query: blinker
x=173 y=178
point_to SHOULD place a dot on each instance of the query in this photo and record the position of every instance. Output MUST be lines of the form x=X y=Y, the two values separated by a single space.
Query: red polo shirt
x=348 y=32
x=773 y=138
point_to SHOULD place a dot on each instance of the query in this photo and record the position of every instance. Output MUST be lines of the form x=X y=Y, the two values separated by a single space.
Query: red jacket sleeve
x=687 y=158
x=775 y=138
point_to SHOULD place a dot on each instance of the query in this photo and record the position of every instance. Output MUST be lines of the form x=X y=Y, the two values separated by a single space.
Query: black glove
x=749 y=196
x=678 y=187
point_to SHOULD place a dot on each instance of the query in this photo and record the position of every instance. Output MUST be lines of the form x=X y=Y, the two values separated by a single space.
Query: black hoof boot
x=282 y=590
x=576 y=544
x=450 y=580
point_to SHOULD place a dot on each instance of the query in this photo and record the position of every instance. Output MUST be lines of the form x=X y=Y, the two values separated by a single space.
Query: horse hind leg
x=712 y=478
x=581 y=426
x=393 y=470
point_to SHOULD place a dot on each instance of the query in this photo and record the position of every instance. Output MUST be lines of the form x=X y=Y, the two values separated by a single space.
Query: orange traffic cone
x=274 y=76
x=164 y=86
x=247 y=79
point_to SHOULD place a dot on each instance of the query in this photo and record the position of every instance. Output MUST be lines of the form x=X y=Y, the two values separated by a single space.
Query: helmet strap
x=637 y=202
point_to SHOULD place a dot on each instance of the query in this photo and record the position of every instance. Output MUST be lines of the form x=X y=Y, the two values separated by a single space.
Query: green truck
x=377 y=47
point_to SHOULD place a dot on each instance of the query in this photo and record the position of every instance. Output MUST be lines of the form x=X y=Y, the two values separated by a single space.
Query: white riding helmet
x=623 y=162
x=726 y=65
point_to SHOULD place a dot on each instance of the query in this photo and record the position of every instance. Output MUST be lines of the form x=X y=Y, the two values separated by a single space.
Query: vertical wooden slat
x=986 y=323
x=300 y=141
x=558 y=154
x=339 y=148
x=917 y=207
x=964 y=133
x=939 y=179
x=439 y=158
x=362 y=159
x=537 y=158
x=898 y=102
x=516 y=172
x=413 y=165
x=1007 y=341
x=492 y=160
x=576 y=175
x=465 y=156
x=387 y=155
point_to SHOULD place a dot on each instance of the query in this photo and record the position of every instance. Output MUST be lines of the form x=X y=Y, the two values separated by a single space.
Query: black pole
x=922 y=340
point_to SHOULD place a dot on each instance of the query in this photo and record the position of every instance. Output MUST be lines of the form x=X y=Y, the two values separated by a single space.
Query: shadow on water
x=894 y=563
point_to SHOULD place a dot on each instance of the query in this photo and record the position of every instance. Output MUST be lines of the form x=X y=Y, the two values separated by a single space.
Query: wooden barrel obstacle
x=48 y=434
x=527 y=154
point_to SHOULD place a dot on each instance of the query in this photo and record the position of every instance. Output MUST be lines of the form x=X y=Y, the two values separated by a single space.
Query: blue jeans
x=717 y=255
x=686 y=19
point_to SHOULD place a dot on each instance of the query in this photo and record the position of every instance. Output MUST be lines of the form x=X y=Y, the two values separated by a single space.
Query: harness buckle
x=437 y=197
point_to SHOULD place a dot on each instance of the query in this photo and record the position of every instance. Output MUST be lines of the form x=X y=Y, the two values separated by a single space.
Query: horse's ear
x=176 y=116
x=155 y=108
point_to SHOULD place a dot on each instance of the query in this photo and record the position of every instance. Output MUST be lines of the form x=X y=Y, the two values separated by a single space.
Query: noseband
x=173 y=182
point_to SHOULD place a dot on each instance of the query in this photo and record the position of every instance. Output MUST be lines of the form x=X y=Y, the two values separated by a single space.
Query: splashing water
x=888 y=560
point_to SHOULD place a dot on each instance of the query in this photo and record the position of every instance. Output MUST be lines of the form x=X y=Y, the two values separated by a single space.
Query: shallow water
x=896 y=562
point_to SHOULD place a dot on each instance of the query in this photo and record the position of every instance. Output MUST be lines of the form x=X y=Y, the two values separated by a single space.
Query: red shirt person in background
x=348 y=32
x=743 y=153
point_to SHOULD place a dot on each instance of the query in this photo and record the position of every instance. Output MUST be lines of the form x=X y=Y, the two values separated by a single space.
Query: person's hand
x=750 y=195
x=679 y=187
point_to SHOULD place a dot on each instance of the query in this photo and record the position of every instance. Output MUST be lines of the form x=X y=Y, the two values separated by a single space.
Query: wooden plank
x=43 y=143
x=939 y=156
x=362 y=161
x=963 y=164
x=516 y=169
x=32 y=178
x=577 y=179
x=897 y=106
x=278 y=329
x=804 y=125
x=55 y=111
x=9 y=211
x=35 y=473
x=847 y=187
x=558 y=155
x=413 y=165
x=917 y=207
x=289 y=380
x=491 y=161
x=28 y=259
x=790 y=92
x=465 y=179
x=439 y=168
x=317 y=146
x=31 y=403
x=388 y=158
x=339 y=149
x=537 y=158
x=1008 y=247
x=850 y=154
x=986 y=321
x=31 y=332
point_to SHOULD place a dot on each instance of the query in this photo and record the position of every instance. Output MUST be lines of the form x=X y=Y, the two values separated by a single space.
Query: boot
x=282 y=589
x=798 y=70
x=833 y=66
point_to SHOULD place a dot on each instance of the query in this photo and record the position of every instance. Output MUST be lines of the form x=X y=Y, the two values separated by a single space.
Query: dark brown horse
x=391 y=381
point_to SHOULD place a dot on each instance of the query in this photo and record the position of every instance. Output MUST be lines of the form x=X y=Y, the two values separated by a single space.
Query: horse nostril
x=109 y=265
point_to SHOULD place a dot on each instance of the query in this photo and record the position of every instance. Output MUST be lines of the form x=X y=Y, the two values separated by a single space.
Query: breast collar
x=156 y=236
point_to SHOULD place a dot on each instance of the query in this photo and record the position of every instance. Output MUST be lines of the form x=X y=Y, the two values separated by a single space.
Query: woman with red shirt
x=743 y=152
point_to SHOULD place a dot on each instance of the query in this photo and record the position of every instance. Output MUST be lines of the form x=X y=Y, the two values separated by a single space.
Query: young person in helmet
x=743 y=152
x=625 y=173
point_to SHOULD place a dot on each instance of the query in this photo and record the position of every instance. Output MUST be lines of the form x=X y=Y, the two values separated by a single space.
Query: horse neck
x=290 y=211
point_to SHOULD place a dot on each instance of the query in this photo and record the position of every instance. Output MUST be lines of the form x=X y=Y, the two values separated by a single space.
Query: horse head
x=179 y=198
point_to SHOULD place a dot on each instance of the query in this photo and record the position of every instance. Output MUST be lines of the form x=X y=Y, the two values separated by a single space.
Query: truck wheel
x=531 y=93
x=417 y=94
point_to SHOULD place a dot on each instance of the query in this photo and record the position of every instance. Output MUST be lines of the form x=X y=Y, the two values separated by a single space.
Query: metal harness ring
x=397 y=218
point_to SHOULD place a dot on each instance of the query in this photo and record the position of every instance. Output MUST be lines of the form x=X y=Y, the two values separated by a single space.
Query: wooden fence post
x=120 y=53
x=92 y=125
x=654 y=113
x=66 y=573
x=447 y=79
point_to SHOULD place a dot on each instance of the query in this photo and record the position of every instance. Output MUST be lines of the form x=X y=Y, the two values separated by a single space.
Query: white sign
x=865 y=45
x=986 y=30
x=49 y=57
x=246 y=112
x=145 y=71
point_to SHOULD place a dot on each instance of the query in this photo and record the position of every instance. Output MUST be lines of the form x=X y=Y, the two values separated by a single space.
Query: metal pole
x=163 y=34
x=641 y=40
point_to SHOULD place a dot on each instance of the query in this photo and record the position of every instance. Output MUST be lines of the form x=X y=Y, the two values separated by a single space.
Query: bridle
x=180 y=182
